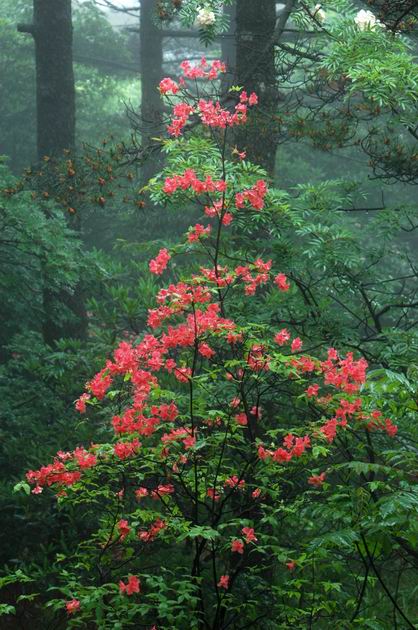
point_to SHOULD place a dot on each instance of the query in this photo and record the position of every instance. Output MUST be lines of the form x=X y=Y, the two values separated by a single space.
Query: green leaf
x=22 y=486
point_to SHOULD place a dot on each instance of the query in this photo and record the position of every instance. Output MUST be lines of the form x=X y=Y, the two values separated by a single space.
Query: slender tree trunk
x=151 y=61
x=255 y=70
x=55 y=94
x=52 y=32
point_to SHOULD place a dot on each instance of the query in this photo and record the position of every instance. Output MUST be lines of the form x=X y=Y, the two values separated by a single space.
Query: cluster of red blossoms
x=197 y=232
x=254 y=195
x=133 y=585
x=57 y=473
x=293 y=447
x=234 y=483
x=189 y=180
x=211 y=113
x=159 y=264
x=150 y=534
x=252 y=276
x=343 y=374
x=152 y=354
x=237 y=544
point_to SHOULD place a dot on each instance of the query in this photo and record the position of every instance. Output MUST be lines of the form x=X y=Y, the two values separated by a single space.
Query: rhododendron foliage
x=216 y=422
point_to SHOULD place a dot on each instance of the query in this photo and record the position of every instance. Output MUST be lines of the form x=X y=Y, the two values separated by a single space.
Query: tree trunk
x=255 y=70
x=151 y=61
x=55 y=94
x=52 y=32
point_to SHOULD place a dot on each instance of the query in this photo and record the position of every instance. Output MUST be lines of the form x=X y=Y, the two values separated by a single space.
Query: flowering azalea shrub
x=220 y=428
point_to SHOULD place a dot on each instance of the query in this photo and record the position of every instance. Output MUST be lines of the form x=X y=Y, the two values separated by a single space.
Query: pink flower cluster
x=133 y=585
x=255 y=276
x=72 y=606
x=183 y=434
x=375 y=422
x=211 y=113
x=251 y=100
x=254 y=196
x=124 y=450
x=123 y=528
x=281 y=282
x=217 y=209
x=181 y=113
x=283 y=336
x=57 y=473
x=317 y=480
x=203 y=70
x=346 y=374
x=150 y=534
x=237 y=545
x=80 y=403
x=220 y=276
x=224 y=582
x=189 y=180
x=168 y=85
x=292 y=447
x=197 y=232
x=99 y=385
x=158 y=264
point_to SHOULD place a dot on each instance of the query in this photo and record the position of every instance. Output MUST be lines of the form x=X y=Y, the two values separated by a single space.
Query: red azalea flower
x=248 y=532
x=72 y=606
x=237 y=546
x=132 y=586
x=224 y=581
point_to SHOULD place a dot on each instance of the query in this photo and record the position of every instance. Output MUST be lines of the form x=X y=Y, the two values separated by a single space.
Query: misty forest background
x=78 y=227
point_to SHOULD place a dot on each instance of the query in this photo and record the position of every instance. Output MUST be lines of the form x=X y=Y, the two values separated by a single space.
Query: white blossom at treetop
x=205 y=17
x=319 y=13
x=366 y=19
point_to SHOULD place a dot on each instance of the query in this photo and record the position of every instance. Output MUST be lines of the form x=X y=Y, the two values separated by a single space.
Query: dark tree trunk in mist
x=52 y=32
x=255 y=70
x=55 y=94
x=151 y=61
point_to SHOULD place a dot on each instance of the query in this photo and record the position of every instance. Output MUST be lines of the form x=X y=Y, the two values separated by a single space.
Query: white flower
x=319 y=13
x=366 y=19
x=205 y=17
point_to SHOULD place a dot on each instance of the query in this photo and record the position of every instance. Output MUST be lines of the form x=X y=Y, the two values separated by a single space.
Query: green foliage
x=379 y=66
x=38 y=251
